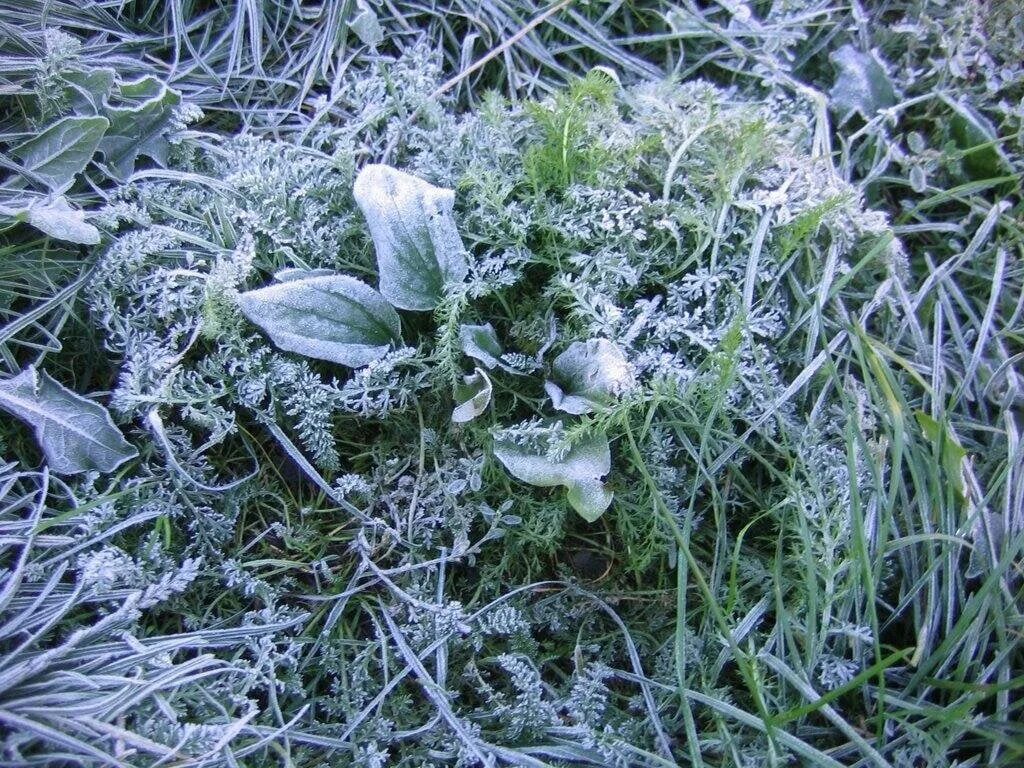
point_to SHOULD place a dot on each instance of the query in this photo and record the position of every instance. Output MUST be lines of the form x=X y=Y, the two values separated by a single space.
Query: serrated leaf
x=481 y=343
x=62 y=151
x=76 y=434
x=419 y=251
x=580 y=471
x=588 y=375
x=472 y=396
x=335 y=318
x=861 y=85
x=138 y=129
x=60 y=221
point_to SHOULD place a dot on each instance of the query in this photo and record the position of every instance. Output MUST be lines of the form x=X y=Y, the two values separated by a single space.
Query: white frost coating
x=580 y=472
x=60 y=221
x=419 y=250
x=76 y=434
x=329 y=317
x=473 y=396
x=481 y=343
x=589 y=375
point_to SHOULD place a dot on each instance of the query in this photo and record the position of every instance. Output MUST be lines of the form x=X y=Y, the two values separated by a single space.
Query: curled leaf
x=481 y=343
x=419 y=251
x=329 y=317
x=589 y=375
x=580 y=471
x=472 y=396
x=76 y=434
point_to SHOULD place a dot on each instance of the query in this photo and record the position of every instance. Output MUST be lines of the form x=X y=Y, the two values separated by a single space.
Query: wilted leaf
x=76 y=434
x=140 y=128
x=472 y=396
x=419 y=251
x=580 y=472
x=62 y=151
x=862 y=84
x=60 y=221
x=588 y=375
x=481 y=343
x=335 y=318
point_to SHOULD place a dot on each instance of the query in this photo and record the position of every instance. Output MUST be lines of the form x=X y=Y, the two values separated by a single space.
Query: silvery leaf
x=472 y=396
x=329 y=317
x=588 y=375
x=76 y=434
x=139 y=127
x=862 y=85
x=60 y=221
x=419 y=251
x=62 y=151
x=481 y=343
x=296 y=273
x=580 y=472
x=364 y=23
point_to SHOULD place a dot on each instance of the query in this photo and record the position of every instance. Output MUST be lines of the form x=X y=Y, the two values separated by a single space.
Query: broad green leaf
x=588 y=375
x=481 y=343
x=87 y=90
x=140 y=128
x=579 y=472
x=472 y=396
x=62 y=151
x=974 y=133
x=862 y=84
x=76 y=434
x=419 y=251
x=335 y=318
x=60 y=221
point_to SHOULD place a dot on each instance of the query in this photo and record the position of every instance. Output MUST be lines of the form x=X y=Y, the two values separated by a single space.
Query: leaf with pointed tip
x=862 y=85
x=76 y=434
x=481 y=343
x=62 y=151
x=580 y=472
x=329 y=317
x=87 y=90
x=138 y=129
x=365 y=24
x=60 y=221
x=472 y=396
x=419 y=251
x=588 y=375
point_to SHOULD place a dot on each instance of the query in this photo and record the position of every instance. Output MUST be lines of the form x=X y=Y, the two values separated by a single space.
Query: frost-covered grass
x=707 y=451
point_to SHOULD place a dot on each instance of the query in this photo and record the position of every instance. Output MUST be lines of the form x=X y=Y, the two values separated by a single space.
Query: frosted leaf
x=472 y=396
x=62 y=151
x=76 y=434
x=62 y=222
x=329 y=317
x=364 y=23
x=588 y=375
x=481 y=343
x=295 y=273
x=419 y=251
x=580 y=471
x=862 y=85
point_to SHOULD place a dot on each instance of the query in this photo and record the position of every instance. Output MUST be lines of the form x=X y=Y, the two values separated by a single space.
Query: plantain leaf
x=76 y=434
x=419 y=251
x=579 y=471
x=472 y=396
x=62 y=151
x=588 y=375
x=329 y=317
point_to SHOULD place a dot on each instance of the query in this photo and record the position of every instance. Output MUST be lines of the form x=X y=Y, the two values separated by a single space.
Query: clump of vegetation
x=616 y=420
